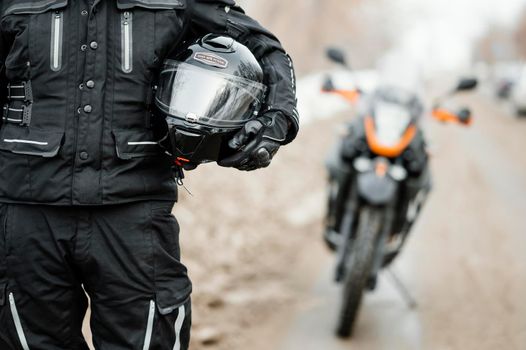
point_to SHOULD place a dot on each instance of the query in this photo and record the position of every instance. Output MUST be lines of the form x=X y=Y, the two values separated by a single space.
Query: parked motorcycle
x=378 y=181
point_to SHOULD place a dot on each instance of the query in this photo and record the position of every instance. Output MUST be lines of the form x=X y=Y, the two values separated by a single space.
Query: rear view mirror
x=464 y=116
x=466 y=84
x=337 y=55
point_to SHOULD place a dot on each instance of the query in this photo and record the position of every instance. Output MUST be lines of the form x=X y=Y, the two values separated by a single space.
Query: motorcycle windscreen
x=391 y=122
x=207 y=97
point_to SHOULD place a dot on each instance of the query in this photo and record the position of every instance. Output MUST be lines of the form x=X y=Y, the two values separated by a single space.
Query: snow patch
x=313 y=104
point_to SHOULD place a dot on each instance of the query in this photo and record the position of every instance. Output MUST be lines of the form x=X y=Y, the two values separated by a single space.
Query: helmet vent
x=218 y=43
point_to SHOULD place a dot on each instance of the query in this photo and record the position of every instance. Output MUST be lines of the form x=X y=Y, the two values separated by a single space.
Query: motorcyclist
x=86 y=192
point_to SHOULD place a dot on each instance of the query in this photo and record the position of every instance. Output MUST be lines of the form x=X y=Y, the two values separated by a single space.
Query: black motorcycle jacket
x=76 y=87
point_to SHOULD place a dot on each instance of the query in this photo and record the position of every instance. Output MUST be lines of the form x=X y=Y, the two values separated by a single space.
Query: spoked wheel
x=358 y=268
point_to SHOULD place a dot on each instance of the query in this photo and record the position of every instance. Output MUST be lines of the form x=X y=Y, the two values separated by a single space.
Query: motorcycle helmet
x=206 y=94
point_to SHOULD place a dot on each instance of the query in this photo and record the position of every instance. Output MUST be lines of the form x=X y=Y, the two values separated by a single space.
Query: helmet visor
x=207 y=97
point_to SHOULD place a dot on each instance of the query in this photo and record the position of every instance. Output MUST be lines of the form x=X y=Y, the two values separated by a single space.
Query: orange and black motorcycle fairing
x=381 y=161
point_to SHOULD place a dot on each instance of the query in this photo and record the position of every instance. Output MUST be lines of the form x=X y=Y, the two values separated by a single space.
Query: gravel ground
x=252 y=243
x=243 y=236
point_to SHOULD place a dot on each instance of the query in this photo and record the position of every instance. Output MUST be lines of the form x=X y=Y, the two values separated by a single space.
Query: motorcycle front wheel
x=358 y=267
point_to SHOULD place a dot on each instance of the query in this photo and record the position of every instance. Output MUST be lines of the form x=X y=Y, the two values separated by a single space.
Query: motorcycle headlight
x=362 y=164
x=397 y=172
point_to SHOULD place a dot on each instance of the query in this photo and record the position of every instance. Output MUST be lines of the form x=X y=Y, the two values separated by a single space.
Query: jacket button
x=90 y=84
x=88 y=108
x=94 y=45
x=84 y=47
x=84 y=155
x=84 y=12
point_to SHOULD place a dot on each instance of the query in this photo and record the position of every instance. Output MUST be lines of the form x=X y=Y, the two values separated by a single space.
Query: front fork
x=347 y=225
x=380 y=246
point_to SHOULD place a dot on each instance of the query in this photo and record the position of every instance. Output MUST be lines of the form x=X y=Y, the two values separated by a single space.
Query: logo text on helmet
x=211 y=59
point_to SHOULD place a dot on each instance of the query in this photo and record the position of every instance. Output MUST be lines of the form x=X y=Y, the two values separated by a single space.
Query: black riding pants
x=125 y=257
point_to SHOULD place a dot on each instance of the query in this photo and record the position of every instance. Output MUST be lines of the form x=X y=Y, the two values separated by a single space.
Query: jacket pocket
x=143 y=28
x=32 y=22
x=30 y=141
x=130 y=144
x=34 y=7
x=151 y=4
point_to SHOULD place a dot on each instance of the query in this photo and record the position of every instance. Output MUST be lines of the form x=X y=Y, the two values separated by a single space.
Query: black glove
x=257 y=142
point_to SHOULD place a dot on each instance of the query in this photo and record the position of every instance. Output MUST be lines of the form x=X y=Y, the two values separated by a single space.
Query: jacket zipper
x=149 y=326
x=18 y=324
x=57 y=26
x=127 y=41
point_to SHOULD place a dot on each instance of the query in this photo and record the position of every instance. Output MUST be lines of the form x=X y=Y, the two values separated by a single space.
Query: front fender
x=376 y=190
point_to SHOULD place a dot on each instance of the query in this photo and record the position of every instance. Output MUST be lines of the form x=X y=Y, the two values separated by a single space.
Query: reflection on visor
x=203 y=96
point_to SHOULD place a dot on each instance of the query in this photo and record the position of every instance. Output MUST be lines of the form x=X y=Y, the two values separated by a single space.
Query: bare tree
x=520 y=36
x=307 y=27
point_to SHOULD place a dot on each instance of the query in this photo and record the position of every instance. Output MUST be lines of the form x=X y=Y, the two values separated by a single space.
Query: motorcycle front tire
x=358 y=269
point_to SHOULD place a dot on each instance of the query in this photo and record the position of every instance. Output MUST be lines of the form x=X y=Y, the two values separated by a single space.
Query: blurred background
x=253 y=242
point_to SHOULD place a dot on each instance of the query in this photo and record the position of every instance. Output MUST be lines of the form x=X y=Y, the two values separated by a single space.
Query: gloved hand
x=257 y=142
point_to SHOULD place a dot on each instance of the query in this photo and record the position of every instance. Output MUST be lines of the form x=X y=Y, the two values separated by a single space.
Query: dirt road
x=465 y=262
x=262 y=275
